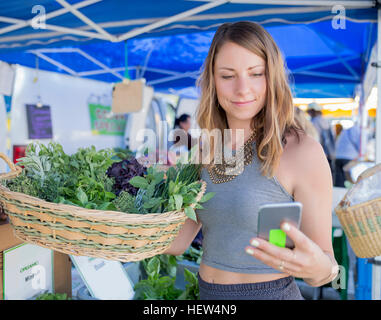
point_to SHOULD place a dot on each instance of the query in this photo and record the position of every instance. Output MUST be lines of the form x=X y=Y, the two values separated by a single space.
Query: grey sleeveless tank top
x=229 y=219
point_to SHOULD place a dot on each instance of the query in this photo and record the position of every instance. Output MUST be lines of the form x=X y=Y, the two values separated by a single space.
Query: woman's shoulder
x=302 y=158
x=305 y=156
x=302 y=143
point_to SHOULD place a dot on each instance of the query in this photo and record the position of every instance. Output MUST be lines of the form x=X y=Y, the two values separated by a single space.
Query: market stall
x=167 y=44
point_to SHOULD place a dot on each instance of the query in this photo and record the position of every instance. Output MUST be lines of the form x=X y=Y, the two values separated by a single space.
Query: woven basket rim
x=340 y=208
x=100 y=215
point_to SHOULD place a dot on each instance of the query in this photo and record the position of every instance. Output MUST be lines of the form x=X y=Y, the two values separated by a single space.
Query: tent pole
x=376 y=268
x=18 y=24
x=169 y=20
x=363 y=119
x=378 y=114
x=86 y=20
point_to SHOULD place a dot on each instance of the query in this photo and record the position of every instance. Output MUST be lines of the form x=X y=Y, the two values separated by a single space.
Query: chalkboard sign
x=39 y=122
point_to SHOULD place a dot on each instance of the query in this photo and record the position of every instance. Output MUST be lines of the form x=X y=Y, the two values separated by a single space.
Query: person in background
x=347 y=149
x=184 y=123
x=323 y=128
x=183 y=141
x=308 y=127
x=180 y=148
x=338 y=129
x=370 y=149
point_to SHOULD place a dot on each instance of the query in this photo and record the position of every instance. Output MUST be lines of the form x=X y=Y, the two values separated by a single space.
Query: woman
x=244 y=87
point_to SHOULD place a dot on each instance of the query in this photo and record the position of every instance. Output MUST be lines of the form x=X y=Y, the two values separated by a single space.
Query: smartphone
x=270 y=218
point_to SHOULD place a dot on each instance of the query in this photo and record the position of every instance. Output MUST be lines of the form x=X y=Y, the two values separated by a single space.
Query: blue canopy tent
x=167 y=43
x=327 y=44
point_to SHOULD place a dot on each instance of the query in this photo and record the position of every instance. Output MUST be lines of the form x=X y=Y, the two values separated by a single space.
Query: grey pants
x=281 y=289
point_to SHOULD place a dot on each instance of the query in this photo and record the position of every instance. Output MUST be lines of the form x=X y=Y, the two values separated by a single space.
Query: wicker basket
x=78 y=231
x=362 y=222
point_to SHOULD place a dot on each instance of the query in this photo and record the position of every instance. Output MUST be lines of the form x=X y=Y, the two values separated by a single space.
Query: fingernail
x=254 y=243
x=249 y=251
x=286 y=226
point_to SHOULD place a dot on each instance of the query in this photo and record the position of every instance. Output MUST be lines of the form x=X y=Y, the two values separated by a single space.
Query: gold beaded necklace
x=224 y=170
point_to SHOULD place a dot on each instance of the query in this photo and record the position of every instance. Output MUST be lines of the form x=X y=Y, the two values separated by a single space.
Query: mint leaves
x=178 y=191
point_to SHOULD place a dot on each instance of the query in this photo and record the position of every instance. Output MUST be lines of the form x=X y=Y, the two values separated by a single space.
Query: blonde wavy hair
x=276 y=118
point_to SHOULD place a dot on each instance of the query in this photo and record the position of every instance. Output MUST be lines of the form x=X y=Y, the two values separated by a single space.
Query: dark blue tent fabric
x=322 y=61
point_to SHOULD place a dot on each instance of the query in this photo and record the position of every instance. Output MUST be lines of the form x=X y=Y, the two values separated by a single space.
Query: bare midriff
x=213 y=275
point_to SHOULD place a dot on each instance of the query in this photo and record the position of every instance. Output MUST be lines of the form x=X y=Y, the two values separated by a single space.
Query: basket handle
x=15 y=170
x=369 y=172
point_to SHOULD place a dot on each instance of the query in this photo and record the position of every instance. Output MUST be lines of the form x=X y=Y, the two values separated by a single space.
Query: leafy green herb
x=53 y=296
x=193 y=254
x=168 y=264
x=125 y=202
x=191 y=288
x=160 y=282
x=95 y=180
x=156 y=287
x=23 y=184
x=177 y=192
x=79 y=179
x=122 y=154
x=39 y=178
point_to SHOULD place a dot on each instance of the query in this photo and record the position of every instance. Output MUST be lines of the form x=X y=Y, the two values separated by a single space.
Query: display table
x=61 y=262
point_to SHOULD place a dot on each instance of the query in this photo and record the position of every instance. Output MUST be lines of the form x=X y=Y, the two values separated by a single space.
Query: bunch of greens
x=79 y=179
x=122 y=153
x=125 y=202
x=44 y=174
x=156 y=194
x=160 y=285
x=156 y=286
x=168 y=265
x=191 y=288
x=123 y=172
x=53 y=296
x=193 y=254
x=98 y=180
x=89 y=186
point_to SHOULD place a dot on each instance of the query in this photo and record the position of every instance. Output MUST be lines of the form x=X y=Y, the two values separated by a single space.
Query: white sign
x=28 y=272
x=105 y=279
x=7 y=75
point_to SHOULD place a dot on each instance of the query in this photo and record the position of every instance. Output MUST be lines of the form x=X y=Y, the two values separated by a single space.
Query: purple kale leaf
x=122 y=172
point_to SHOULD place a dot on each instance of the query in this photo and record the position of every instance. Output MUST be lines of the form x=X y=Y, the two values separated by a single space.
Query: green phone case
x=277 y=237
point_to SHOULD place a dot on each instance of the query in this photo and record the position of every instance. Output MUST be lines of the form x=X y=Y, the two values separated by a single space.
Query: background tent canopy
x=167 y=44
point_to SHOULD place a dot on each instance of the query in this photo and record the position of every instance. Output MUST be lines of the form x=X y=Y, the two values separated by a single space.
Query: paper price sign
x=27 y=272
x=105 y=279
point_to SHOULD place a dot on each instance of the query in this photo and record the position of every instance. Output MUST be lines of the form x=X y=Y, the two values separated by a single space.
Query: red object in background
x=18 y=152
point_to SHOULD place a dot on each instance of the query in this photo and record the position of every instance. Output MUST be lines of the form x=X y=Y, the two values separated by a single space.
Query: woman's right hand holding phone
x=307 y=260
